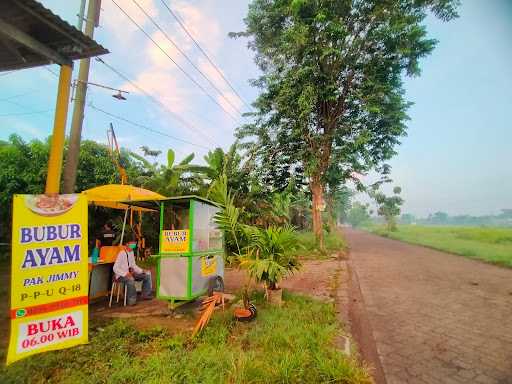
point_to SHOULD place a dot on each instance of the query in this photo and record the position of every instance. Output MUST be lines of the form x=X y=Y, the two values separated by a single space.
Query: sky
x=457 y=157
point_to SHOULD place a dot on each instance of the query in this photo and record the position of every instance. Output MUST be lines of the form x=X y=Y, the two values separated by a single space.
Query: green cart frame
x=191 y=249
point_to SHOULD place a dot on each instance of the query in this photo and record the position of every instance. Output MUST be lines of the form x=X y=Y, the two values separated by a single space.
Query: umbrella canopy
x=119 y=196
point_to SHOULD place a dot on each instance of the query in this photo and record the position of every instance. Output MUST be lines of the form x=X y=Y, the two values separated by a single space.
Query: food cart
x=190 y=259
x=122 y=197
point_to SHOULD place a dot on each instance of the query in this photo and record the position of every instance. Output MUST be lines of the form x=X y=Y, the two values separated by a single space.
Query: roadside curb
x=360 y=326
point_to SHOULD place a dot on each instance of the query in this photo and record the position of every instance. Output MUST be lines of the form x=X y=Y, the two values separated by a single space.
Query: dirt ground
x=316 y=279
x=434 y=317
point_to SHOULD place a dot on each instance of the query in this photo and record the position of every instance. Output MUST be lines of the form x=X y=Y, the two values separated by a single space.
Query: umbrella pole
x=124 y=225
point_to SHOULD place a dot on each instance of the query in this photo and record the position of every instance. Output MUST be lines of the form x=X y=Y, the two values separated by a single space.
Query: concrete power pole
x=71 y=166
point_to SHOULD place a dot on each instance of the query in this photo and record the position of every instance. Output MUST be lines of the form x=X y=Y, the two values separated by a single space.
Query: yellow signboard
x=49 y=279
x=208 y=265
x=174 y=241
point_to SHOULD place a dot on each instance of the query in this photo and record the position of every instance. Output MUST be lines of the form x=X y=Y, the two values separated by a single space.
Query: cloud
x=229 y=100
x=152 y=70
x=200 y=24
x=18 y=125
x=116 y=22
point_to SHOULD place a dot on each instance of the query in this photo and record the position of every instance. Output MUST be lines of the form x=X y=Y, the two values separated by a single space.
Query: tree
x=389 y=206
x=358 y=215
x=24 y=167
x=172 y=179
x=440 y=218
x=228 y=163
x=337 y=203
x=408 y=218
x=506 y=213
x=150 y=152
x=332 y=89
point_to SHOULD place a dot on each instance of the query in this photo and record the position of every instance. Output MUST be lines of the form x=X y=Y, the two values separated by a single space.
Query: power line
x=155 y=100
x=26 y=113
x=32 y=111
x=20 y=94
x=43 y=67
x=52 y=72
x=186 y=57
x=145 y=127
x=175 y=63
x=204 y=53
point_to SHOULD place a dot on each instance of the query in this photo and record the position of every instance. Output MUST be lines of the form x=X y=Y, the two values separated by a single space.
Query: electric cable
x=186 y=57
x=20 y=94
x=204 y=53
x=175 y=63
x=52 y=72
x=26 y=113
x=90 y=105
x=156 y=101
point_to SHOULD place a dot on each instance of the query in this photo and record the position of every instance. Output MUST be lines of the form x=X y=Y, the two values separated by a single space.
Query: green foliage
x=300 y=212
x=173 y=179
x=266 y=253
x=493 y=245
x=230 y=164
x=170 y=158
x=228 y=217
x=503 y=219
x=24 y=168
x=281 y=204
x=269 y=257
x=358 y=215
x=227 y=220
x=332 y=84
x=307 y=247
x=407 y=218
x=150 y=152
x=389 y=206
x=337 y=200
x=293 y=344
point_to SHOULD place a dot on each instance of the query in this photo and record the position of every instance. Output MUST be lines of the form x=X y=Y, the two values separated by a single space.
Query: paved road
x=436 y=317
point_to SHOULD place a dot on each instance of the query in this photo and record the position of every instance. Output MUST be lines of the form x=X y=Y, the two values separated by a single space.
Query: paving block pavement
x=436 y=318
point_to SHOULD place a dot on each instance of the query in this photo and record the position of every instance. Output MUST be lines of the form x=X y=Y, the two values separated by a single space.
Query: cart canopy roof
x=121 y=196
x=179 y=199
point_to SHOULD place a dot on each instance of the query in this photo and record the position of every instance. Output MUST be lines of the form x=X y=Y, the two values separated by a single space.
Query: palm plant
x=228 y=218
x=268 y=257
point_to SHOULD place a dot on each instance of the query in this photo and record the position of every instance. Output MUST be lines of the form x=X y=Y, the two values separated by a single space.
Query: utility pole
x=59 y=132
x=71 y=166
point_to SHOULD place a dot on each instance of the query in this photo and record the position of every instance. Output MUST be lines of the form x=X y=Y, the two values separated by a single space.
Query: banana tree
x=174 y=179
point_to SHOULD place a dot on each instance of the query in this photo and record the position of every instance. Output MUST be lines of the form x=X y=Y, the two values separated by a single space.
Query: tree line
x=24 y=167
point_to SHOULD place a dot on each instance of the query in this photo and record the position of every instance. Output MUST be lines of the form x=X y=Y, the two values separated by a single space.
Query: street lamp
x=118 y=95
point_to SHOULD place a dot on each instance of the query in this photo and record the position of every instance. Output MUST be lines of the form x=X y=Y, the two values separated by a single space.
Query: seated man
x=128 y=272
x=106 y=235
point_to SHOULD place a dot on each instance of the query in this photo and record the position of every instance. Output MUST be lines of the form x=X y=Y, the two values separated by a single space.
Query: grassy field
x=493 y=245
x=292 y=344
x=334 y=242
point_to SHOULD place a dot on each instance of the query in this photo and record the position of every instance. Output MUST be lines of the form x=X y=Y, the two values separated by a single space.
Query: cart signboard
x=208 y=266
x=175 y=241
x=49 y=278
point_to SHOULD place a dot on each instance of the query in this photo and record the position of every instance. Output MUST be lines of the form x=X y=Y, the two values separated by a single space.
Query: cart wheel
x=215 y=284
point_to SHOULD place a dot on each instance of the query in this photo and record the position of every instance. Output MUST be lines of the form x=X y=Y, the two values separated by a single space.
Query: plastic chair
x=117 y=284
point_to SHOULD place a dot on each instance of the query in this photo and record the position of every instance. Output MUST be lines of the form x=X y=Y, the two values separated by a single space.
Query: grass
x=492 y=245
x=308 y=249
x=292 y=344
